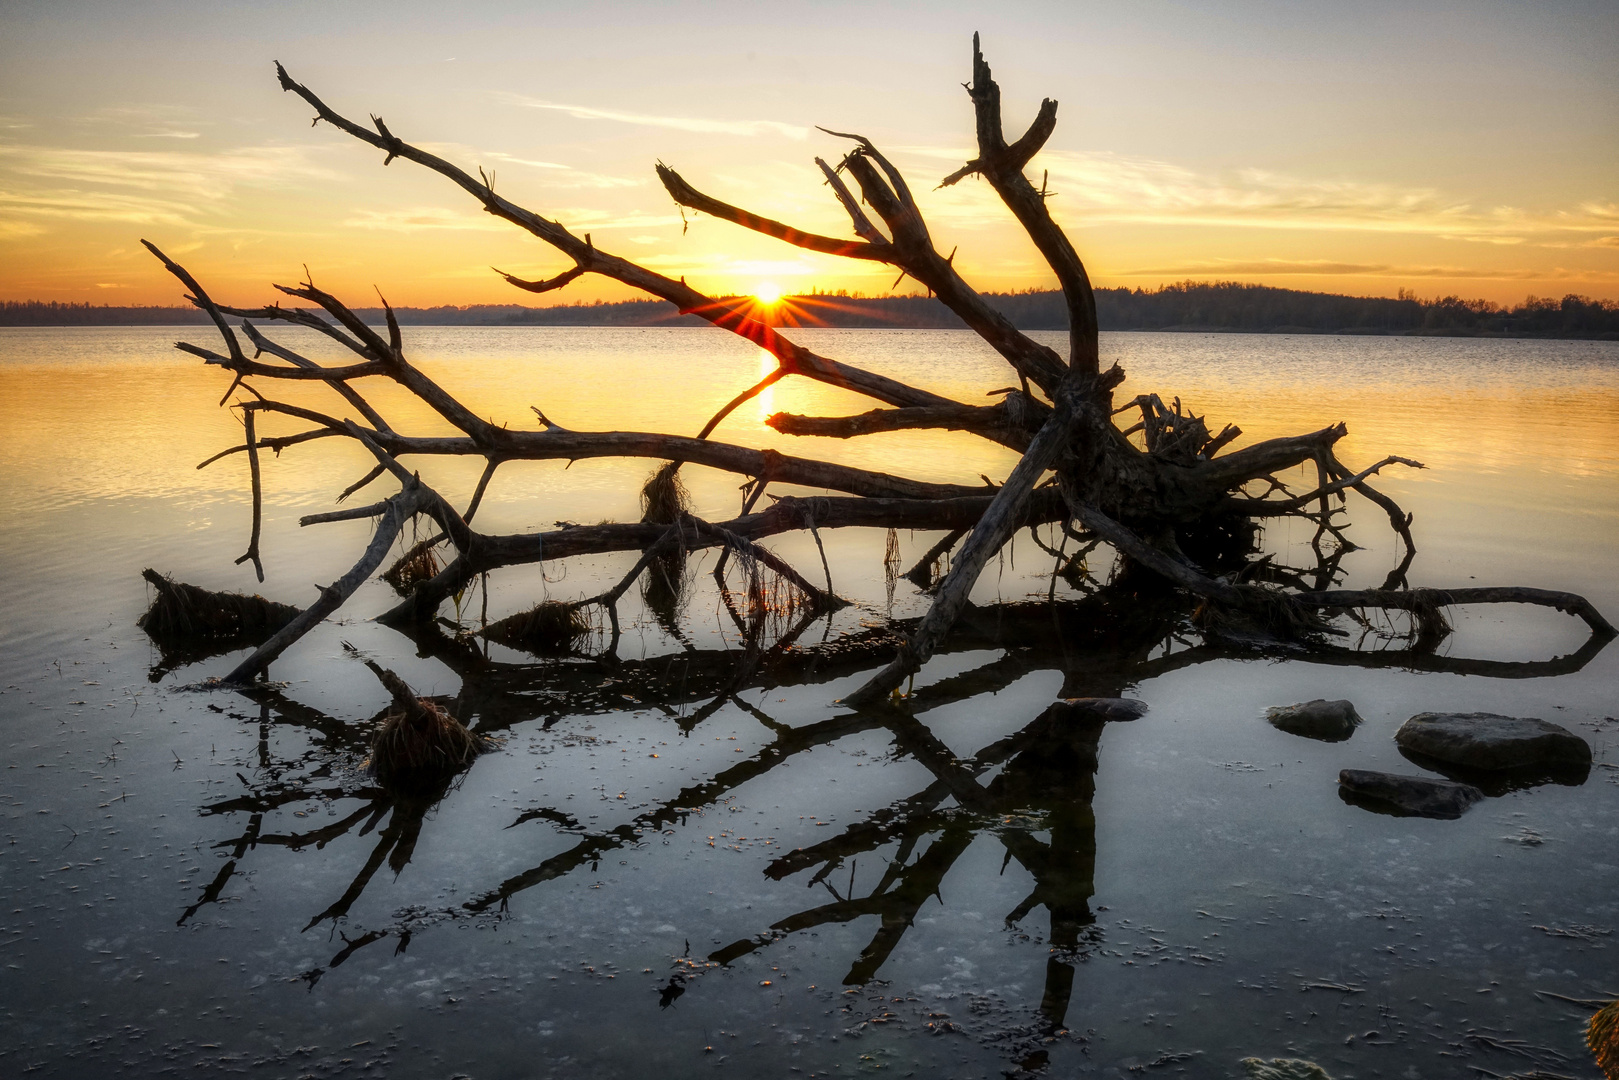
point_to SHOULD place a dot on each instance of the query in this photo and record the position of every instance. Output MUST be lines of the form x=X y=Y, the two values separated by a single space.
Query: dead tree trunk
x=1158 y=503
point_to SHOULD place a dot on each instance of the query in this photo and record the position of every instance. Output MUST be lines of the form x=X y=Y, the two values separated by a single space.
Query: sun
x=767 y=292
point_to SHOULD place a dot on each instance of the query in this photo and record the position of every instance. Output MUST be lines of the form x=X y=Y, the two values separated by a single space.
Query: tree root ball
x=419 y=744
x=181 y=611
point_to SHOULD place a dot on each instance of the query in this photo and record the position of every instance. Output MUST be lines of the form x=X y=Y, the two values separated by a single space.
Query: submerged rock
x=1096 y=708
x=1283 y=1069
x=1418 y=796
x=1491 y=741
x=1329 y=721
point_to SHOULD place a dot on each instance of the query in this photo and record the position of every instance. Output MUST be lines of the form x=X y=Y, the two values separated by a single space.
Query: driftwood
x=1179 y=506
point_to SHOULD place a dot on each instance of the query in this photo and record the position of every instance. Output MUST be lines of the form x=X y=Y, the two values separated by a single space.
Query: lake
x=662 y=869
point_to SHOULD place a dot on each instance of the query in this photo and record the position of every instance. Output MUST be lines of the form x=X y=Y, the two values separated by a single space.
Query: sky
x=1466 y=148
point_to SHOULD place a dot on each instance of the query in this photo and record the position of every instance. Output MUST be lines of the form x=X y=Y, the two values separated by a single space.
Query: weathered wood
x=1006 y=514
x=1149 y=505
x=400 y=509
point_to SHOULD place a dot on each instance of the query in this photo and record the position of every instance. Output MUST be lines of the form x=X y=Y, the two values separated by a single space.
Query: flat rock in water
x=1096 y=708
x=1418 y=796
x=1329 y=721
x=1492 y=741
x=1283 y=1069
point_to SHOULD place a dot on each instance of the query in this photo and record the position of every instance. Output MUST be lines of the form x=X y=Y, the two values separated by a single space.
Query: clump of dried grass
x=417 y=565
x=664 y=499
x=419 y=744
x=1260 y=612
x=181 y=611
x=1602 y=1036
x=547 y=628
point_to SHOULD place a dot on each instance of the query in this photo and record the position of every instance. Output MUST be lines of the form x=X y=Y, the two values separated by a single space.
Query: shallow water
x=660 y=871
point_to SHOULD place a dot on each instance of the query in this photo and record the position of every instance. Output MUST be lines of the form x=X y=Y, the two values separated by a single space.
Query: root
x=181 y=611
x=551 y=628
x=419 y=745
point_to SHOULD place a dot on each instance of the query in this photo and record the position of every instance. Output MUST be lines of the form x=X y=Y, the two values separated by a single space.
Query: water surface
x=664 y=869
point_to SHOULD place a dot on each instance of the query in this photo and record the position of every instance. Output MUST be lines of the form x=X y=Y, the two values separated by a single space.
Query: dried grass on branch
x=180 y=611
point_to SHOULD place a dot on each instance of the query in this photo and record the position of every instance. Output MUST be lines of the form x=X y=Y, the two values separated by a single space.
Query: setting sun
x=767 y=292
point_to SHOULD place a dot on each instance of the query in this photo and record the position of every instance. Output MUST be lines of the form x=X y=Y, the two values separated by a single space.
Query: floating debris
x=1283 y=1069
x=180 y=611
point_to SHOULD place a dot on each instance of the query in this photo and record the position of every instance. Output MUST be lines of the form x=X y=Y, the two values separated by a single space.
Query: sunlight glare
x=767 y=292
x=767 y=396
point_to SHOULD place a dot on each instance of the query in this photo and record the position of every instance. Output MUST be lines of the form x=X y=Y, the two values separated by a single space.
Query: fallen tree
x=1178 y=505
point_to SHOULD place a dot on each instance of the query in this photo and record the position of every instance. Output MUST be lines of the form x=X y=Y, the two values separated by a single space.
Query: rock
x=1283 y=1069
x=1418 y=796
x=1096 y=708
x=1491 y=741
x=1329 y=721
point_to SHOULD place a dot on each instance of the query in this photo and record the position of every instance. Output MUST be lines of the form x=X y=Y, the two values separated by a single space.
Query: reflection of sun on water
x=767 y=396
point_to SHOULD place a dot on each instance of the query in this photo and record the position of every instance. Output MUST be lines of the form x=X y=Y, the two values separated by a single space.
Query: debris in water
x=1283 y=1069
x=181 y=611
x=419 y=744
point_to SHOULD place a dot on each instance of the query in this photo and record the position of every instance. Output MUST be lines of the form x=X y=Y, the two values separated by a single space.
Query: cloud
x=581 y=220
x=426 y=218
x=74 y=205
x=186 y=175
x=566 y=176
x=1101 y=187
x=1605 y=241
x=678 y=123
x=17 y=230
x=1323 y=267
x=169 y=135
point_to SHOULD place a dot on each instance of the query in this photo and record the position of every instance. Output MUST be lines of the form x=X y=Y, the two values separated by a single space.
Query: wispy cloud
x=581 y=219
x=702 y=126
x=1097 y=187
x=183 y=189
x=181 y=174
x=17 y=230
x=566 y=176
x=74 y=205
x=1327 y=268
x=423 y=219
x=169 y=135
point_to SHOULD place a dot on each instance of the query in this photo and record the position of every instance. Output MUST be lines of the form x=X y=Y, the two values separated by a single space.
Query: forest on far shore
x=1186 y=306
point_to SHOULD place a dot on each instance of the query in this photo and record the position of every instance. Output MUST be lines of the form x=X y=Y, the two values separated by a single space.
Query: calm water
x=661 y=872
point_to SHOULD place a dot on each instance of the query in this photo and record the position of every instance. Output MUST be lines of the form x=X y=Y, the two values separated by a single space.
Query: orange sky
x=1471 y=150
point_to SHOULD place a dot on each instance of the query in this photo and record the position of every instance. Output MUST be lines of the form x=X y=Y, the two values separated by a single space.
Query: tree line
x=1186 y=306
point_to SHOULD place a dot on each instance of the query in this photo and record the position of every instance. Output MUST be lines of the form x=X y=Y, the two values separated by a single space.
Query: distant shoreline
x=1209 y=308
